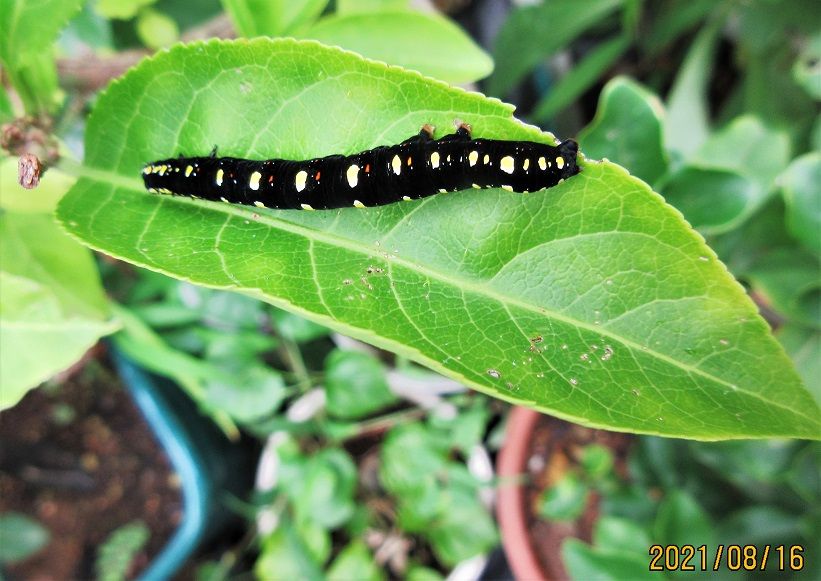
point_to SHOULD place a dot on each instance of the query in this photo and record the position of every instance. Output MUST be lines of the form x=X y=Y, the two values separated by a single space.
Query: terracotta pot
x=511 y=509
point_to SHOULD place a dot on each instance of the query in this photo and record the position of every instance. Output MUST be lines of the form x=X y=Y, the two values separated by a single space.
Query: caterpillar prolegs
x=416 y=168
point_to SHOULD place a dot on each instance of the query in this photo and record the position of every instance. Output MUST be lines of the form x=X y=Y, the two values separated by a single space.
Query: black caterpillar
x=416 y=168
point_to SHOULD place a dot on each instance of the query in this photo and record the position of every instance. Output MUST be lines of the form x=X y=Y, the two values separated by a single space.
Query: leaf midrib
x=465 y=284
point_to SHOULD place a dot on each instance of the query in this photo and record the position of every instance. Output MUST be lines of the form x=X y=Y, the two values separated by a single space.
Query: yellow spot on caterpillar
x=477 y=186
x=542 y=164
x=224 y=200
x=410 y=161
x=353 y=175
x=153 y=190
x=560 y=162
x=188 y=170
x=218 y=180
x=165 y=191
x=148 y=169
x=434 y=160
x=300 y=179
x=176 y=170
x=506 y=164
x=486 y=160
x=447 y=159
x=508 y=188
x=473 y=157
x=306 y=206
x=253 y=183
x=443 y=191
x=161 y=169
x=358 y=204
x=396 y=164
x=259 y=204
x=406 y=198
x=526 y=163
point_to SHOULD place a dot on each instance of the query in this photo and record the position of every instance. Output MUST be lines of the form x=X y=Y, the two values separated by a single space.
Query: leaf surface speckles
x=593 y=300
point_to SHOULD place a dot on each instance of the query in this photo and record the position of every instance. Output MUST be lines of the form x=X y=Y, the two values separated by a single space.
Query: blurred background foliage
x=713 y=103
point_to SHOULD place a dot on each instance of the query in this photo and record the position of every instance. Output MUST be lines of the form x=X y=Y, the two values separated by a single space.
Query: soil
x=555 y=447
x=78 y=457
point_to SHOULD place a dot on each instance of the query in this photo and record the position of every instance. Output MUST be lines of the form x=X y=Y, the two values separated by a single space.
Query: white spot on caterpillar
x=154 y=190
x=508 y=188
x=406 y=198
x=358 y=204
x=542 y=164
x=434 y=160
x=222 y=199
x=526 y=163
x=306 y=206
x=300 y=179
x=188 y=170
x=448 y=158
x=218 y=179
x=560 y=162
x=253 y=182
x=477 y=186
x=473 y=157
x=506 y=164
x=443 y=191
x=396 y=164
x=353 y=175
x=486 y=160
x=259 y=204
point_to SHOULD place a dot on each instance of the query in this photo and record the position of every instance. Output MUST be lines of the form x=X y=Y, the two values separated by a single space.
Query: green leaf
x=297 y=329
x=20 y=537
x=284 y=556
x=620 y=535
x=713 y=200
x=532 y=33
x=807 y=68
x=356 y=6
x=121 y=9
x=156 y=29
x=355 y=562
x=254 y=392
x=27 y=32
x=627 y=129
x=596 y=461
x=460 y=512
x=118 y=551
x=272 y=17
x=581 y=77
x=565 y=500
x=409 y=39
x=788 y=277
x=355 y=384
x=400 y=471
x=759 y=525
x=597 y=266
x=681 y=521
x=52 y=308
x=327 y=489
x=802 y=194
x=804 y=346
x=587 y=563
x=750 y=148
x=687 y=124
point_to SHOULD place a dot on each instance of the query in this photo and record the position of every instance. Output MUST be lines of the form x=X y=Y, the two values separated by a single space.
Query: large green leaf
x=593 y=301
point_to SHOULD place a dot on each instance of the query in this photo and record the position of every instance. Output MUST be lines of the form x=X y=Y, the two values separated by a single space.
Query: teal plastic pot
x=210 y=467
